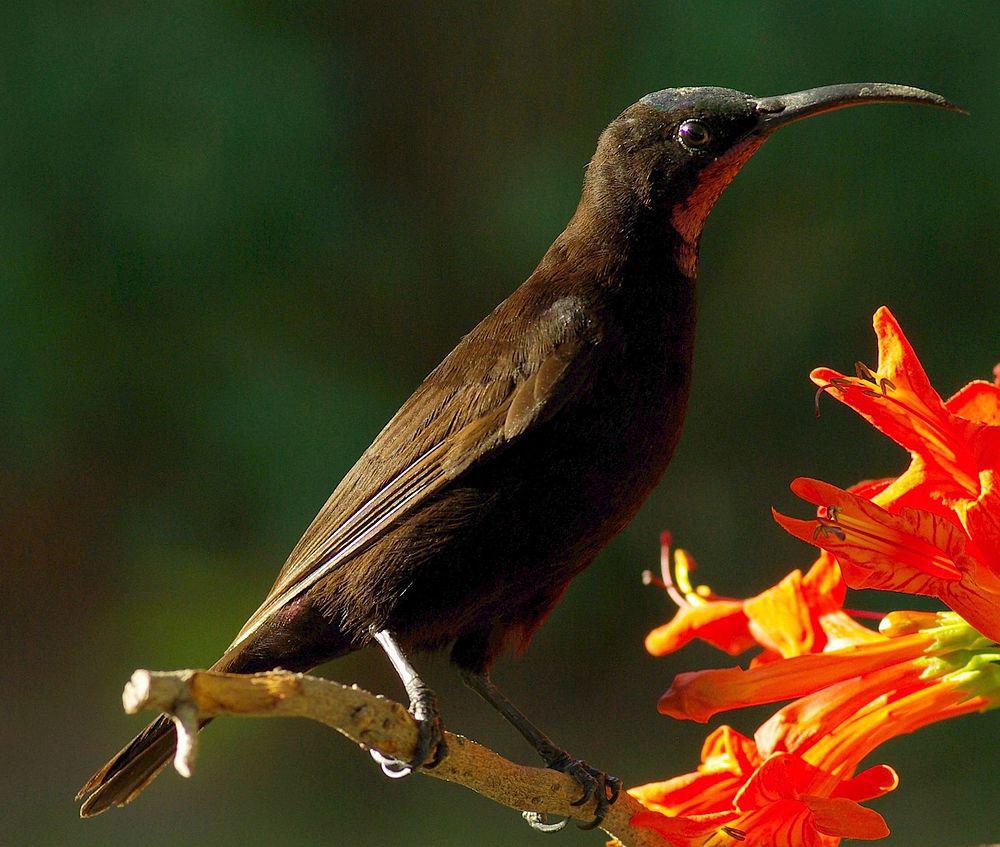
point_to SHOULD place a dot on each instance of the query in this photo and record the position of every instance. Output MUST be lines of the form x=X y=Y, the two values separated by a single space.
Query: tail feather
x=131 y=770
x=136 y=765
x=294 y=647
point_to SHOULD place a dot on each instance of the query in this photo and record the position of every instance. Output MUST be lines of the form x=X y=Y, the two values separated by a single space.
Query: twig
x=372 y=722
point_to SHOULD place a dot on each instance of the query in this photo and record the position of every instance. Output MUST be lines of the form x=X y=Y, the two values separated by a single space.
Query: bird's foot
x=431 y=747
x=596 y=785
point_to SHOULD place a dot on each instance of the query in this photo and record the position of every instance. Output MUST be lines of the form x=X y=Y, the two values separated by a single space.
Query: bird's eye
x=693 y=134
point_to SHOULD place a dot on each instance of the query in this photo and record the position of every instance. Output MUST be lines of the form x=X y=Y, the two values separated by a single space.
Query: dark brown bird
x=530 y=446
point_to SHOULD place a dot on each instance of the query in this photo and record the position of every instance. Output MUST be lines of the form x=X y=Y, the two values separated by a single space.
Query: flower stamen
x=824 y=527
x=819 y=393
x=864 y=372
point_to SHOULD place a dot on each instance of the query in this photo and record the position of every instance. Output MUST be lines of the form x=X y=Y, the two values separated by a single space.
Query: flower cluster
x=934 y=530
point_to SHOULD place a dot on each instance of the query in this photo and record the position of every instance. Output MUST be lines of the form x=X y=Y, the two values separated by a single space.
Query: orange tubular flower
x=700 y=613
x=763 y=799
x=795 y=783
x=727 y=761
x=699 y=695
x=936 y=529
x=801 y=614
x=913 y=551
x=951 y=443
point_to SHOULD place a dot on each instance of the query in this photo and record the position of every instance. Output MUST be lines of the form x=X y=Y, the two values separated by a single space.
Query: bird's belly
x=605 y=460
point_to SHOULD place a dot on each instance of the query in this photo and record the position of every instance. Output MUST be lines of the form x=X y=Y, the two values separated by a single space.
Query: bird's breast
x=602 y=455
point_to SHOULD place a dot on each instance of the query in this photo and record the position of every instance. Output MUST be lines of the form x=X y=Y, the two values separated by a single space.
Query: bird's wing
x=497 y=384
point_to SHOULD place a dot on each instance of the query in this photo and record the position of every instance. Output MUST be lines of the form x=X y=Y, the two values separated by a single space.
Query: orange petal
x=913 y=551
x=843 y=818
x=901 y=707
x=682 y=831
x=780 y=618
x=842 y=631
x=898 y=361
x=920 y=486
x=730 y=751
x=895 y=546
x=860 y=569
x=870 y=488
x=823 y=584
x=698 y=695
x=978 y=401
x=869 y=784
x=981 y=518
x=977 y=599
x=829 y=712
x=781 y=777
x=899 y=401
x=690 y=794
x=721 y=623
x=784 y=823
x=931 y=431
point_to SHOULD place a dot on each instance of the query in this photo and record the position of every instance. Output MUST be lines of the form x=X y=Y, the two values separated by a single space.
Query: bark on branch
x=373 y=722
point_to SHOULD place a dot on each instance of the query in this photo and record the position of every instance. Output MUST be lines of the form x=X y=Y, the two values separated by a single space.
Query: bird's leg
x=423 y=707
x=596 y=784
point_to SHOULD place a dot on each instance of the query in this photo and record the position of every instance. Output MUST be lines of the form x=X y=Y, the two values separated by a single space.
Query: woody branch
x=372 y=722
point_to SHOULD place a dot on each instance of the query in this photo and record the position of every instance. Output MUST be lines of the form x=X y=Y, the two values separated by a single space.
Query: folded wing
x=456 y=419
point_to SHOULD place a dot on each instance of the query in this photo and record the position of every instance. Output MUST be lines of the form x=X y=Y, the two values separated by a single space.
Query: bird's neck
x=620 y=257
x=629 y=214
x=622 y=237
x=688 y=215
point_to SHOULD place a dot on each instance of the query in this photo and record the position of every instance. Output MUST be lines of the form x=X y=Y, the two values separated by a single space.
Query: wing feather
x=470 y=416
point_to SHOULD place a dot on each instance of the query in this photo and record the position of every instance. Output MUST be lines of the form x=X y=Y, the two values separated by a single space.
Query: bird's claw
x=536 y=820
x=430 y=741
x=392 y=768
x=597 y=786
x=431 y=746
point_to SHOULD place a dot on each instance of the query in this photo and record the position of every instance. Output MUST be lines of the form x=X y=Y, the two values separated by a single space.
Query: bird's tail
x=136 y=765
x=295 y=646
x=131 y=770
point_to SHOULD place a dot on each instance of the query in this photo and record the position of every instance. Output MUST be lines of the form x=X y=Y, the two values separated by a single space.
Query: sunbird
x=529 y=447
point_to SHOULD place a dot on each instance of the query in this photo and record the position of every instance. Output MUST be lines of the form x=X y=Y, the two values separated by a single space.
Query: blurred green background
x=236 y=236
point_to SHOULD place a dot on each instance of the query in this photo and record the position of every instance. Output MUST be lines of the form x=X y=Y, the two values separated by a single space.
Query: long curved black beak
x=775 y=112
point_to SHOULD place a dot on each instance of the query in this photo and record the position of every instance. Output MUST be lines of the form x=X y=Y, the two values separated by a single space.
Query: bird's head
x=673 y=153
